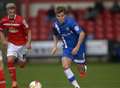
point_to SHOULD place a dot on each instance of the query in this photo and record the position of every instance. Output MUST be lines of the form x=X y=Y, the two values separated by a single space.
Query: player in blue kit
x=72 y=36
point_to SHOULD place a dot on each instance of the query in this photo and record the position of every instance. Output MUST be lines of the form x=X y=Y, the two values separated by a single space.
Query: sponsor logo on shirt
x=9 y=24
x=13 y=30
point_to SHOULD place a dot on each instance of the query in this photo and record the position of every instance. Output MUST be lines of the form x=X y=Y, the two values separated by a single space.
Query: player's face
x=60 y=17
x=11 y=12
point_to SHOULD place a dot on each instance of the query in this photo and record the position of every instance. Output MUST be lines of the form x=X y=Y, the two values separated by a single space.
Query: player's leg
x=82 y=68
x=81 y=64
x=2 y=75
x=11 y=54
x=22 y=60
x=66 y=62
x=12 y=70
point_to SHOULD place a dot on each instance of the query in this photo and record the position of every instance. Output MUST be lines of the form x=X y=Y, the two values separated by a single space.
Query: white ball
x=35 y=84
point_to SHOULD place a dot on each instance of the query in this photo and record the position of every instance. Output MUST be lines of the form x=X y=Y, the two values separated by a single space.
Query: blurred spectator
x=90 y=14
x=99 y=7
x=71 y=12
x=116 y=7
x=2 y=9
x=51 y=13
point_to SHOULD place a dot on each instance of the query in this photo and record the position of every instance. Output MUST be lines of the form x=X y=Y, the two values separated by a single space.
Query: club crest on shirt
x=67 y=28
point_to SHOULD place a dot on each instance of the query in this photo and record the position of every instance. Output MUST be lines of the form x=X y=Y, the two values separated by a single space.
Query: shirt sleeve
x=55 y=32
x=75 y=27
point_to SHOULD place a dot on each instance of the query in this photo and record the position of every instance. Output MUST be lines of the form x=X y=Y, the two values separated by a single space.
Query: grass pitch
x=100 y=75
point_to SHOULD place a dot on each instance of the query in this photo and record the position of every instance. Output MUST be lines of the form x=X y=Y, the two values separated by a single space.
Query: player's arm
x=55 y=41
x=2 y=36
x=80 y=40
x=78 y=30
x=28 y=43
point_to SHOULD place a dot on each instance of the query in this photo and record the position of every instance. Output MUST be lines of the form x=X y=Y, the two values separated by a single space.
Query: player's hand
x=54 y=50
x=28 y=45
x=75 y=50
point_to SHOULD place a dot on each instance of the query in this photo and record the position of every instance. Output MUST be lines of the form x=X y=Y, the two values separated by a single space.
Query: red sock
x=12 y=70
x=83 y=71
x=82 y=74
x=2 y=79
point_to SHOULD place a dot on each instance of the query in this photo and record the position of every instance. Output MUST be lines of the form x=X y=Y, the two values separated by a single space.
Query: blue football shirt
x=68 y=31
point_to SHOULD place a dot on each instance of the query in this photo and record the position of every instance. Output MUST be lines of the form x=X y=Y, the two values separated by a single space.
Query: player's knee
x=10 y=61
x=65 y=65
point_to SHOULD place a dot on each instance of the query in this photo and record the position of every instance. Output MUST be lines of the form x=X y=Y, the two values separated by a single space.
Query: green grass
x=52 y=76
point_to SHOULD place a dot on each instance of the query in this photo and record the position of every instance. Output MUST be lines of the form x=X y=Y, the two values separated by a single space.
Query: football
x=35 y=84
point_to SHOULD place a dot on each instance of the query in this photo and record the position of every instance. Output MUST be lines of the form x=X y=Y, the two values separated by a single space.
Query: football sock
x=70 y=76
x=2 y=79
x=12 y=70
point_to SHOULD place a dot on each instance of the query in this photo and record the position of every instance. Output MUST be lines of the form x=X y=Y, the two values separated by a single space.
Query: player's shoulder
x=4 y=19
x=18 y=17
x=70 y=19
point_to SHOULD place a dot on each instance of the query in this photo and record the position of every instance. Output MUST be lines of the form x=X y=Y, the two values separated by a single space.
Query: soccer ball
x=35 y=84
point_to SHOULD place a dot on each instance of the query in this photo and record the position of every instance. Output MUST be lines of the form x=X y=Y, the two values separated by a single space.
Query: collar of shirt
x=13 y=18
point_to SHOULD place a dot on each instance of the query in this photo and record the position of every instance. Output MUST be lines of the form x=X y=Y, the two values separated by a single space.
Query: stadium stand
x=105 y=25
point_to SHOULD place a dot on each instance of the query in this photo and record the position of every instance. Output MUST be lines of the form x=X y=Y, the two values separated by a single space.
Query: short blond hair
x=10 y=5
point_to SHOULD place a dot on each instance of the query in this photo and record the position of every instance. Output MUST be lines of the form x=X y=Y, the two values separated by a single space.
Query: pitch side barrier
x=93 y=48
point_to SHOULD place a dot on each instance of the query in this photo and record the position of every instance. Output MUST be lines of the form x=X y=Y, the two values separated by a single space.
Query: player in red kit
x=18 y=39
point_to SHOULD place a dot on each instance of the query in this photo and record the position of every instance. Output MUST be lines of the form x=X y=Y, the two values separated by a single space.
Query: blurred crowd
x=91 y=13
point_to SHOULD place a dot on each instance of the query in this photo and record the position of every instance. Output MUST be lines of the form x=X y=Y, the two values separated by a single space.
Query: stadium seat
x=99 y=22
x=90 y=27
x=99 y=35
x=43 y=37
x=81 y=23
x=99 y=28
x=109 y=35
x=108 y=28
x=33 y=26
x=104 y=27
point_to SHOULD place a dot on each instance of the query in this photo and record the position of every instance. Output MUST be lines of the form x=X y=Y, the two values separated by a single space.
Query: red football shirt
x=17 y=29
